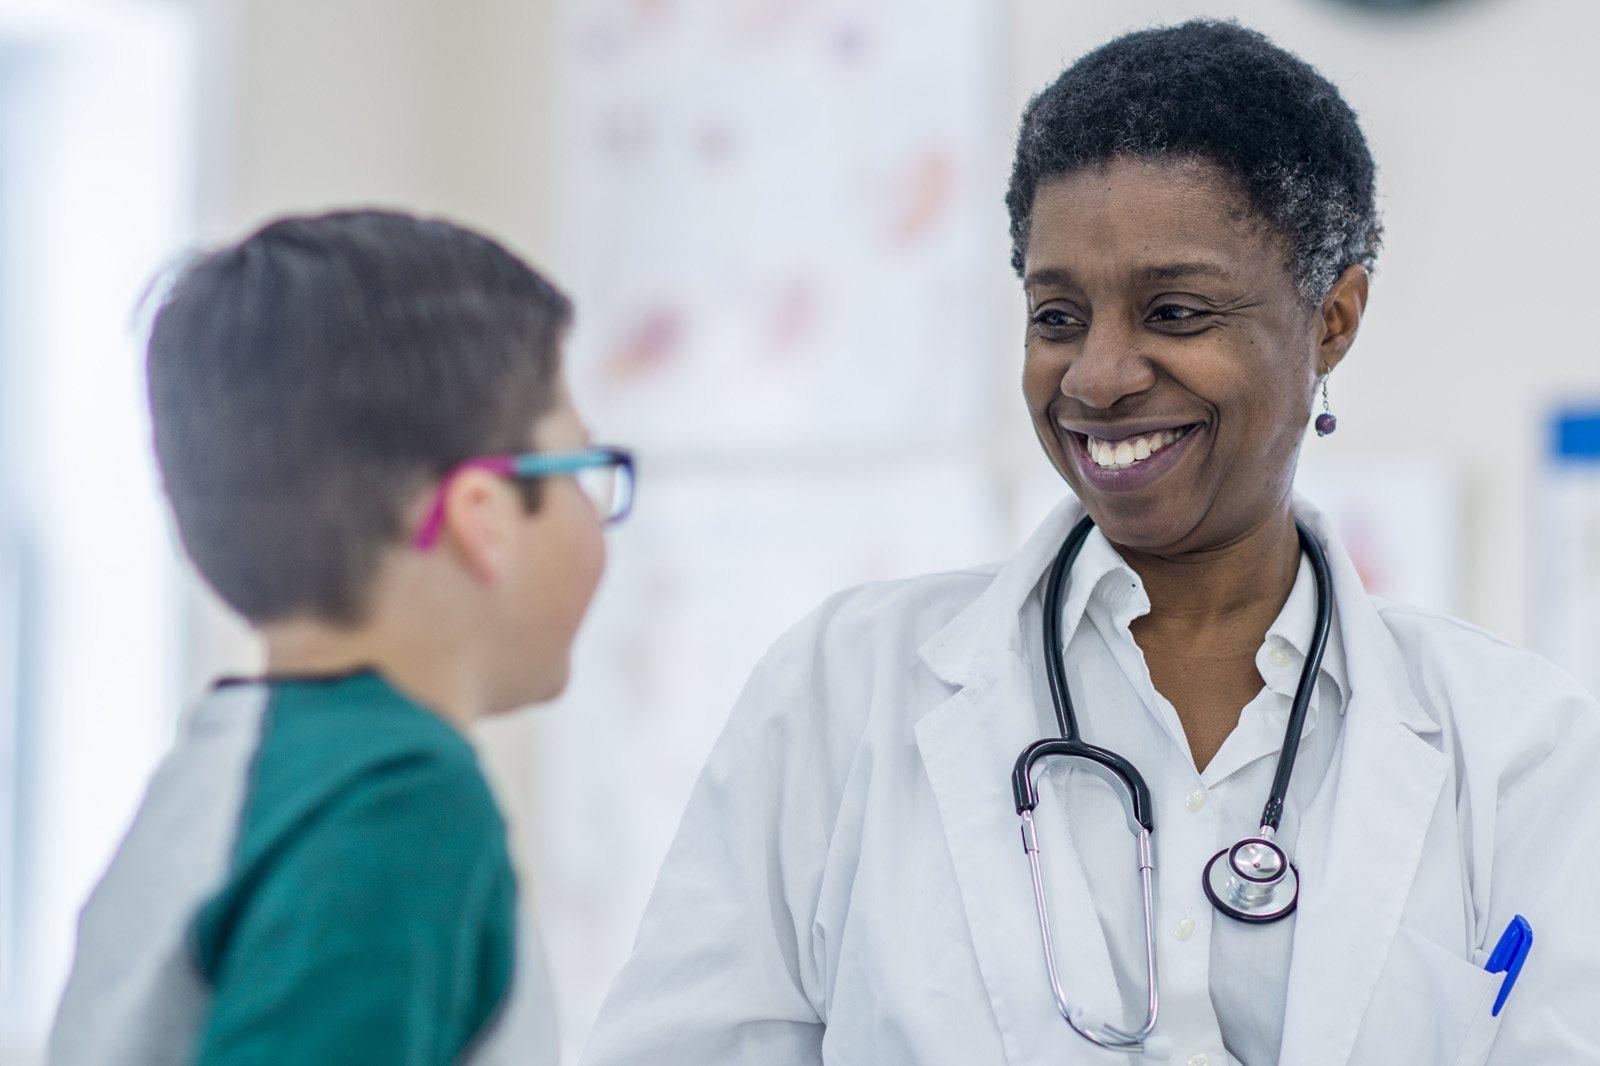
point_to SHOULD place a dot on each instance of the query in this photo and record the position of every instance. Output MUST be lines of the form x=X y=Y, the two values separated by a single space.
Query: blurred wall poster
x=1565 y=600
x=782 y=222
x=1401 y=519
x=782 y=215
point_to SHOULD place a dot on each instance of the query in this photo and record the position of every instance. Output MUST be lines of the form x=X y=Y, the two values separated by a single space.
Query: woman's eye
x=1176 y=313
x=1055 y=318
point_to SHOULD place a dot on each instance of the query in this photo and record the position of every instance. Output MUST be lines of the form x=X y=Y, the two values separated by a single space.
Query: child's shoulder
x=328 y=742
x=361 y=770
x=366 y=818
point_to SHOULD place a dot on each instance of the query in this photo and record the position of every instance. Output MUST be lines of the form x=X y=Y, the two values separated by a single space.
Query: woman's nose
x=1107 y=367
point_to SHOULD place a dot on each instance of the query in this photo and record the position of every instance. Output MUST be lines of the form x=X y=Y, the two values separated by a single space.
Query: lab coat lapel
x=1373 y=813
x=969 y=745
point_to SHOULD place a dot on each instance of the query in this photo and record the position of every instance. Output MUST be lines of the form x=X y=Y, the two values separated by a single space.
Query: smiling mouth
x=1129 y=452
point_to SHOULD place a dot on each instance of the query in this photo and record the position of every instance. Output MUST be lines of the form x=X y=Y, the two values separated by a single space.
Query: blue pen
x=1508 y=955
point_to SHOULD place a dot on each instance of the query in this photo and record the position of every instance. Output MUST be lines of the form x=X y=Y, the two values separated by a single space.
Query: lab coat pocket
x=1428 y=1006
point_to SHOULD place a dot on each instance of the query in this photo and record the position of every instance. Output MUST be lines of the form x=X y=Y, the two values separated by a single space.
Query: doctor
x=1193 y=221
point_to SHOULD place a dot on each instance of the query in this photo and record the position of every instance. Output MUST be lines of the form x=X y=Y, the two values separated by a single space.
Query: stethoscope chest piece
x=1253 y=881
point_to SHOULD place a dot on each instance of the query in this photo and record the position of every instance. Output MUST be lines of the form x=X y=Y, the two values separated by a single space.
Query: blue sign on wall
x=1575 y=436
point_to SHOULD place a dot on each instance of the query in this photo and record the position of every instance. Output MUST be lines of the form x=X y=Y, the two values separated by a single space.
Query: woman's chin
x=1148 y=533
x=1154 y=523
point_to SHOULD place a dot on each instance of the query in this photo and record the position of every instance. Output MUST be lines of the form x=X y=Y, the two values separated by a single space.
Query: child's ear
x=479 y=514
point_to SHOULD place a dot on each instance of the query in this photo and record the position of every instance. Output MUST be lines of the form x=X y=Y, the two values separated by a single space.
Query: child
x=362 y=425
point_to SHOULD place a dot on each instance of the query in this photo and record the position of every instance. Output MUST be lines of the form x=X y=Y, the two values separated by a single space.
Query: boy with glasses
x=362 y=426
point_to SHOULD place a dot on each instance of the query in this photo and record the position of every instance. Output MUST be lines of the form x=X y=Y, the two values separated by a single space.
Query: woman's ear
x=479 y=513
x=1340 y=315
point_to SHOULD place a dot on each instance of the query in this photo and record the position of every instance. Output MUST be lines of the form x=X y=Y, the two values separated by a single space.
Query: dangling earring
x=1326 y=423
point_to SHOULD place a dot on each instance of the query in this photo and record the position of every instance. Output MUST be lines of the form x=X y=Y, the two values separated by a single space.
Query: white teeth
x=1120 y=455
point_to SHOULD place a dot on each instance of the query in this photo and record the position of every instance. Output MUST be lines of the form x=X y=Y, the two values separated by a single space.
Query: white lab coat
x=848 y=884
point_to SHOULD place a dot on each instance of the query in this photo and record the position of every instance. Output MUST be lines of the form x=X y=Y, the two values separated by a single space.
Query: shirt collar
x=1283 y=653
x=1100 y=575
x=985 y=635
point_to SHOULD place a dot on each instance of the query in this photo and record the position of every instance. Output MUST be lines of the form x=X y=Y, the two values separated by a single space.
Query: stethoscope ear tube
x=1124 y=779
x=1128 y=784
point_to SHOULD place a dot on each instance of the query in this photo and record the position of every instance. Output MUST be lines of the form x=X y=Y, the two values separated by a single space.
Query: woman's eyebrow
x=1047 y=276
x=1061 y=277
x=1173 y=271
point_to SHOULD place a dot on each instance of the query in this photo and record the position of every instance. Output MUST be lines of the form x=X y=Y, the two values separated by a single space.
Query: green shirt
x=318 y=873
x=370 y=909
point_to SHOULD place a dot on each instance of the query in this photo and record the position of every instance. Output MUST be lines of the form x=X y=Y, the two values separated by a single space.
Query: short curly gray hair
x=1214 y=91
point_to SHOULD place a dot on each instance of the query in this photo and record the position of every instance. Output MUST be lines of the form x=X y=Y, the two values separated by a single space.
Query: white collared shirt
x=1223 y=983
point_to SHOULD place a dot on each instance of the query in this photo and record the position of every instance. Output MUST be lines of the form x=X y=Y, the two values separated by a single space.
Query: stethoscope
x=1253 y=881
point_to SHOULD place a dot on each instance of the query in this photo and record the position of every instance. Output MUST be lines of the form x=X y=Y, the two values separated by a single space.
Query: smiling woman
x=1338 y=803
x=1192 y=213
x=1158 y=302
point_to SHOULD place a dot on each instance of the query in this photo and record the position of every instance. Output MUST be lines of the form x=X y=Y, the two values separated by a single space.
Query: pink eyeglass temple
x=428 y=535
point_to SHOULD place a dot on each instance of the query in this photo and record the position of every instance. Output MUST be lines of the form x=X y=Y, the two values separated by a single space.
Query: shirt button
x=1184 y=929
x=1195 y=800
x=1201 y=1059
x=1278 y=657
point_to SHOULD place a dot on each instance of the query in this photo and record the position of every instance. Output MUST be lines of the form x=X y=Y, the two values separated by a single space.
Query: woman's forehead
x=1145 y=221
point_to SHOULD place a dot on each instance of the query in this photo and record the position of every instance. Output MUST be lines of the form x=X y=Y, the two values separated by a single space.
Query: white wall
x=428 y=104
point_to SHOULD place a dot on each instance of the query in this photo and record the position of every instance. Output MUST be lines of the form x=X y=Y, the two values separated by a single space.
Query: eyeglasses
x=604 y=474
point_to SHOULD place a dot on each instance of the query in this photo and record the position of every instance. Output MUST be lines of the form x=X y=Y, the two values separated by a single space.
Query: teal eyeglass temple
x=528 y=466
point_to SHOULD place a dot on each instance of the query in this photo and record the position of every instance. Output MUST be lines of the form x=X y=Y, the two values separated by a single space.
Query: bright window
x=94 y=193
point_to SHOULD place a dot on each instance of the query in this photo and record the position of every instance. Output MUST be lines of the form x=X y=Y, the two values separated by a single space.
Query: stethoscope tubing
x=1061 y=696
x=1267 y=898
x=1272 y=813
